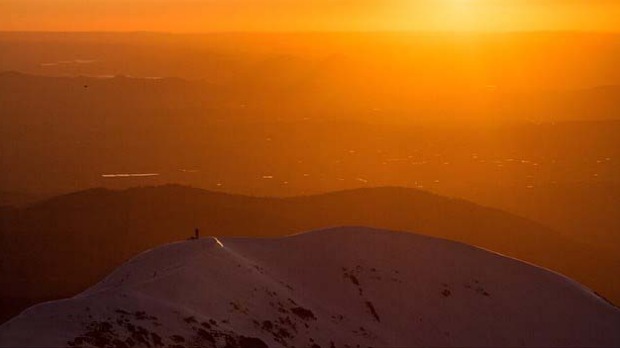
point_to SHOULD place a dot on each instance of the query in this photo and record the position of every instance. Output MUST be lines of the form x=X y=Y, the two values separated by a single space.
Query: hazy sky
x=268 y=15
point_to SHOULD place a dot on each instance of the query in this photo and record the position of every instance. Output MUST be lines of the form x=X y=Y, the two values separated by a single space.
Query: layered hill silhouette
x=59 y=247
x=341 y=287
x=585 y=211
x=429 y=59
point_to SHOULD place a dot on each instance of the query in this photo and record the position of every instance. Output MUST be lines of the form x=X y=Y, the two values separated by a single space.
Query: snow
x=341 y=286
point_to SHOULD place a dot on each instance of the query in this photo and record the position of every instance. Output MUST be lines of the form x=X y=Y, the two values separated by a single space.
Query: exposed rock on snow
x=330 y=288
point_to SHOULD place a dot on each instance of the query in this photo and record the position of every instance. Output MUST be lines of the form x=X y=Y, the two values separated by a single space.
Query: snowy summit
x=331 y=288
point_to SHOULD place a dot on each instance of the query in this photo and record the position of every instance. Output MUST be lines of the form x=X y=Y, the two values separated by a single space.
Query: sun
x=462 y=15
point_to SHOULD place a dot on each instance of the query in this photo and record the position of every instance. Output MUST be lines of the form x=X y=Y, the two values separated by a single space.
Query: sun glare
x=461 y=15
x=309 y=15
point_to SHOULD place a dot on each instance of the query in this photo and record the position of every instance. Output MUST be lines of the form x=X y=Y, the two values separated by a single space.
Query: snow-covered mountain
x=331 y=288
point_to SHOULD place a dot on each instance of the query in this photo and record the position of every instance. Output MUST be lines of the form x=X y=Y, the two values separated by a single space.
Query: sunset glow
x=311 y=15
x=309 y=173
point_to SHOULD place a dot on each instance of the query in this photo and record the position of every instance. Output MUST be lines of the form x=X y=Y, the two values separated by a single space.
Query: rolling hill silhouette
x=584 y=211
x=58 y=247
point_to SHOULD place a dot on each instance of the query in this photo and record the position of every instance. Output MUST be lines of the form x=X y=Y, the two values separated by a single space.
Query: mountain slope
x=338 y=287
x=102 y=229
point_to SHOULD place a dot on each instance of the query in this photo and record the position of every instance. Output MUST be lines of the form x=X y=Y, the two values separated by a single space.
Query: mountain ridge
x=123 y=223
x=365 y=286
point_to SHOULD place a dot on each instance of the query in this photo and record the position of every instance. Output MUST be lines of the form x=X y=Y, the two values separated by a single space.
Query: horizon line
x=236 y=32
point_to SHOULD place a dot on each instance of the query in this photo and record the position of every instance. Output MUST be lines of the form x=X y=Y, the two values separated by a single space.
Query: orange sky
x=303 y=15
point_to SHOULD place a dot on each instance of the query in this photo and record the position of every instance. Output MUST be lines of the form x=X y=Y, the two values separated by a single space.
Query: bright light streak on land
x=218 y=242
x=140 y=175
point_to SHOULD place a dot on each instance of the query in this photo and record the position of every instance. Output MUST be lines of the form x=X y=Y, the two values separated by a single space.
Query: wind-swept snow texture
x=331 y=288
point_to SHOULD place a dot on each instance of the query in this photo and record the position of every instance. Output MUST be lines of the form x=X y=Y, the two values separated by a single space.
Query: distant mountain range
x=391 y=61
x=59 y=247
x=341 y=287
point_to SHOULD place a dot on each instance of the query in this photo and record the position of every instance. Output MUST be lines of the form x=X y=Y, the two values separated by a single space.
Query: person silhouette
x=197 y=233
